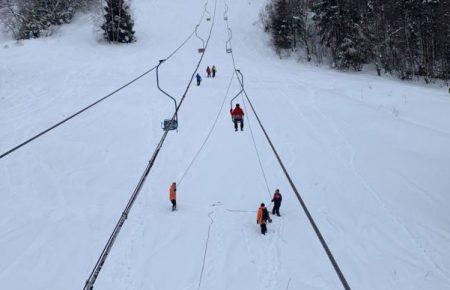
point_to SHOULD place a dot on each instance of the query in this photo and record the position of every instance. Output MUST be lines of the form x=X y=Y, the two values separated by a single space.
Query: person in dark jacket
x=262 y=218
x=214 y=71
x=199 y=79
x=208 y=72
x=277 y=198
x=238 y=117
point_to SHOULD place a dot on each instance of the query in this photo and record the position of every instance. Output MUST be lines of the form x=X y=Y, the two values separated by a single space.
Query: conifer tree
x=339 y=29
x=118 y=26
x=281 y=25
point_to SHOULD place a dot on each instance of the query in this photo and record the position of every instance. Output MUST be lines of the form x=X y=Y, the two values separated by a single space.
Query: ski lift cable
x=263 y=173
x=213 y=126
x=40 y=134
x=319 y=235
x=89 y=285
x=241 y=84
x=300 y=199
x=205 y=252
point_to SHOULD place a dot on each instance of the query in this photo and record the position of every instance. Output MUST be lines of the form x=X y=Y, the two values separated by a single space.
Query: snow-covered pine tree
x=118 y=25
x=281 y=25
x=355 y=47
x=34 y=18
x=340 y=31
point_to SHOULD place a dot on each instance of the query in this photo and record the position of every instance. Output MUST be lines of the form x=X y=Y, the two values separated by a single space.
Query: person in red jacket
x=277 y=198
x=238 y=117
x=173 y=195
x=208 y=72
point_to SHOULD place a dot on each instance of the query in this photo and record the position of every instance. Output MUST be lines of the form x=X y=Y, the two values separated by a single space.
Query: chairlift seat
x=234 y=118
x=169 y=125
x=201 y=50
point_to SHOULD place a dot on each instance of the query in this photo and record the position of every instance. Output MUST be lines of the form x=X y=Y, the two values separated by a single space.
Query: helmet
x=263 y=205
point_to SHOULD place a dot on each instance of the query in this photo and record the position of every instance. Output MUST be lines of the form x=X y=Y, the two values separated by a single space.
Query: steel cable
x=206 y=250
x=209 y=133
x=105 y=252
x=257 y=151
x=96 y=102
x=294 y=188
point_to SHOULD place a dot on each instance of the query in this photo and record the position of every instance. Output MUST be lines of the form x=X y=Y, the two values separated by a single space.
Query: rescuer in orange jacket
x=173 y=195
x=238 y=117
x=262 y=217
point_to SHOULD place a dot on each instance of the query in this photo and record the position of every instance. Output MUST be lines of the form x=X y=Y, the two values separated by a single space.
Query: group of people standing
x=210 y=72
x=237 y=115
x=262 y=216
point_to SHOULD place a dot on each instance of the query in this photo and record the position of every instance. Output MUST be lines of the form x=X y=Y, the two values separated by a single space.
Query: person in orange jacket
x=238 y=117
x=262 y=218
x=173 y=195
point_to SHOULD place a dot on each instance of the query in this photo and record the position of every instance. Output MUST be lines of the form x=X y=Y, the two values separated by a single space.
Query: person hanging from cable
x=173 y=195
x=199 y=79
x=277 y=198
x=208 y=72
x=214 y=71
x=238 y=117
x=262 y=218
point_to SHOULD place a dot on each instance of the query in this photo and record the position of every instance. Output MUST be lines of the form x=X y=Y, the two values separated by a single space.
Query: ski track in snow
x=377 y=196
x=382 y=214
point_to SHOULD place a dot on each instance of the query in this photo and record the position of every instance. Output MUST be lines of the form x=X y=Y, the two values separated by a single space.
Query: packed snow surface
x=370 y=156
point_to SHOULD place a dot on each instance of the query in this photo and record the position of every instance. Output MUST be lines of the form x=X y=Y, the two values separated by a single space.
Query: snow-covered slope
x=369 y=155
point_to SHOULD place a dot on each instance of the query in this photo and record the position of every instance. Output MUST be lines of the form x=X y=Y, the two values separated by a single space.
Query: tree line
x=408 y=38
x=26 y=19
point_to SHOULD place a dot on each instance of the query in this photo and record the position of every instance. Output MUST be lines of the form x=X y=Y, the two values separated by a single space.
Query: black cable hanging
x=213 y=126
x=98 y=101
x=294 y=188
x=89 y=285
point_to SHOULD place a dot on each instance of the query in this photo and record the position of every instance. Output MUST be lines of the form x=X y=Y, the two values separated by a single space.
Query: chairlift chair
x=228 y=43
x=241 y=84
x=225 y=14
x=167 y=124
x=201 y=49
x=208 y=17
